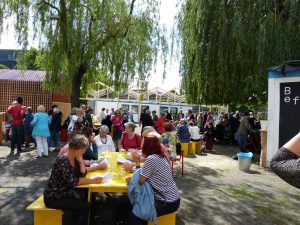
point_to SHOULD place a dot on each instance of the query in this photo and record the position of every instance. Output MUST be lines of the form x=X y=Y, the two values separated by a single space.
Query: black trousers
x=17 y=137
x=75 y=211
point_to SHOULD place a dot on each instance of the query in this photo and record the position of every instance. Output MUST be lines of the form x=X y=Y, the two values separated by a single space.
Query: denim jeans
x=242 y=140
x=54 y=137
x=162 y=208
x=17 y=137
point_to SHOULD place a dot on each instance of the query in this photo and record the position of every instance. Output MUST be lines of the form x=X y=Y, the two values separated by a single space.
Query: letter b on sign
x=287 y=90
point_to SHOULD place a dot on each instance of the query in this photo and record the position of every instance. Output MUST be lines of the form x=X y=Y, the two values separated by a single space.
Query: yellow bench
x=169 y=219
x=43 y=215
x=191 y=148
x=46 y=216
x=185 y=147
x=195 y=147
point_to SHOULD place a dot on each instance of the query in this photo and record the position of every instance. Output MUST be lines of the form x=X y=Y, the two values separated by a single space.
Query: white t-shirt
x=103 y=146
x=194 y=131
x=73 y=119
x=101 y=116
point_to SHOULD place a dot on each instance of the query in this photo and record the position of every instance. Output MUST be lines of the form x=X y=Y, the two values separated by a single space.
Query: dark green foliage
x=30 y=60
x=228 y=45
x=3 y=66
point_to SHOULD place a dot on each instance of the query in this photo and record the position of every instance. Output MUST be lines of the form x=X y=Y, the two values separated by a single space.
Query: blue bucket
x=245 y=154
x=245 y=159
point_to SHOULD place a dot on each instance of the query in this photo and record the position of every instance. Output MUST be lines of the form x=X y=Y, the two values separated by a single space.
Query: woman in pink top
x=130 y=140
x=118 y=128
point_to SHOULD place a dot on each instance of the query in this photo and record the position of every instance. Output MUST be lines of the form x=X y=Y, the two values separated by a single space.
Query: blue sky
x=168 y=11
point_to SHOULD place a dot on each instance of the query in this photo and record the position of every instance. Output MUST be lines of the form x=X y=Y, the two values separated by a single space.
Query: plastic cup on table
x=106 y=152
x=122 y=173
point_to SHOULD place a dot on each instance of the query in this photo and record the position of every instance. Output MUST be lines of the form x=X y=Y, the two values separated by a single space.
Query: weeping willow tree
x=228 y=45
x=79 y=38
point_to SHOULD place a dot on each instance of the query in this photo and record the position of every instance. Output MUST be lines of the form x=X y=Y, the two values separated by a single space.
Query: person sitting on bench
x=157 y=171
x=67 y=172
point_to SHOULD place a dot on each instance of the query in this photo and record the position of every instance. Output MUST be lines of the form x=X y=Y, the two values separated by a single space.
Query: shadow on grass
x=252 y=172
x=205 y=199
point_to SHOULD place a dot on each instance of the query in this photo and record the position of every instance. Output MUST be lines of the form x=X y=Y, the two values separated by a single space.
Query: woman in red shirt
x=130 y=140
x=160 y=124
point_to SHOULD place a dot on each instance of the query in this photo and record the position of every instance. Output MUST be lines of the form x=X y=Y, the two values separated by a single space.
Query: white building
x=136 y=100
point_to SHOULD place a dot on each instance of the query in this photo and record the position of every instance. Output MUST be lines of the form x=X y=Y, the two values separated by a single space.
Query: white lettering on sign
x=288 y=99
x=295 y=100
x=287 y=90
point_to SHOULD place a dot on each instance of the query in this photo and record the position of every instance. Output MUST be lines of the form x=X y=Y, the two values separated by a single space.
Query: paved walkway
x=213 y=190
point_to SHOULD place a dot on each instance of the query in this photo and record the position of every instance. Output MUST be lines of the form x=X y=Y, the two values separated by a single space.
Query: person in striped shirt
x=158 y=172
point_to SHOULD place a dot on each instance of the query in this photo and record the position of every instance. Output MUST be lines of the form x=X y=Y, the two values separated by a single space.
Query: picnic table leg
x=89 y=198
x=90 y=202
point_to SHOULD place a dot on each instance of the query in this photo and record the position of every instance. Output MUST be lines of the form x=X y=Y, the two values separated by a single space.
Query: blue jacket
x=142 y=198
x=27 y=121
x=184 y=134
x=40 y=125
x=91 y=153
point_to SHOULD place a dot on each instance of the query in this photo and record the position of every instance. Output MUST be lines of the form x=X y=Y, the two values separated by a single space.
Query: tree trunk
x=76 y=83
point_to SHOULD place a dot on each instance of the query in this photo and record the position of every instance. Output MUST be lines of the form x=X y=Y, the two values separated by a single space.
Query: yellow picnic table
x=47 y=216
x=117 y=182
x=97 y=125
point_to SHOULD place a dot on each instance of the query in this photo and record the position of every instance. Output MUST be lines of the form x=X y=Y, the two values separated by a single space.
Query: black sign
x=289 y=114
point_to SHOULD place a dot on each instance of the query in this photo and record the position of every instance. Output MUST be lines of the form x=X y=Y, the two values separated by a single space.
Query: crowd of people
x=45 y=129
x=41 y=128
x=156 y=146
x=189 y=126
x=82 y=149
